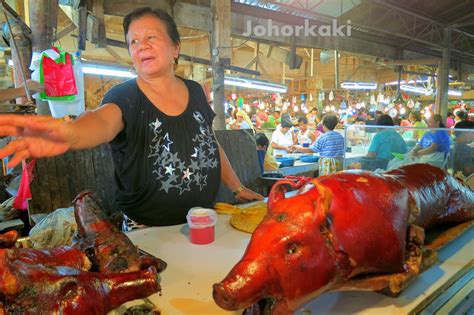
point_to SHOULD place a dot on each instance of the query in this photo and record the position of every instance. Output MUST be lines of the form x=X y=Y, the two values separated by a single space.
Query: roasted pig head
x=108 y=248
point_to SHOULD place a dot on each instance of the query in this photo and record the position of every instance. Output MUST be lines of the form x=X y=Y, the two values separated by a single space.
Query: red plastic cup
x=201 y=222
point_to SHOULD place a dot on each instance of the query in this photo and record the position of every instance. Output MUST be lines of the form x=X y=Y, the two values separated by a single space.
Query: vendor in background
x=283 y=138
x=266 y=160
x=417 y=121
x=435 y=144
x=450 y=120
x=463 y=153
x=460 y=115
x=356 y=134
x=383 y=145
x=313 y=119
x=159 y=126
x=243 y=120
x=12 y=93
x=273 y=120
x=305 y=136
x=329 y=145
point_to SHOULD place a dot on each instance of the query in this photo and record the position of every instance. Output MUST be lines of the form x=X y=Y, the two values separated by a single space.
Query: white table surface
x=192 y=269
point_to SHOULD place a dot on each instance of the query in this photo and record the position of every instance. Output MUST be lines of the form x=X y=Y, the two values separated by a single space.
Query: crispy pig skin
x=109 y=249
x=8 y=239
x=337 y=227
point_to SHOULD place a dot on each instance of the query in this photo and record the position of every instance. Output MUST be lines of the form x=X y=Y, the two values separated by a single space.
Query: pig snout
x=245 y=285
x=223 y=298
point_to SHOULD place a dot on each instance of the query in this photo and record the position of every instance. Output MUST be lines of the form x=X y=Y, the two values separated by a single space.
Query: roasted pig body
x=335 y=228
x=109 y=249
x=43 y=289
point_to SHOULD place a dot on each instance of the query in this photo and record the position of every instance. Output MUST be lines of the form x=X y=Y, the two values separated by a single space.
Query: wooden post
x=43 y=23
x=220 y=56
x=441 y=105
x=21 y=55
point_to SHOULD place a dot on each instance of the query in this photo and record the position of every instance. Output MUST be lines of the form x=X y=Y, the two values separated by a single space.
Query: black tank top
x=164 y=165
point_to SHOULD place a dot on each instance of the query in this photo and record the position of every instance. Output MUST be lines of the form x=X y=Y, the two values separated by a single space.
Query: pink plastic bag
x=24 y=192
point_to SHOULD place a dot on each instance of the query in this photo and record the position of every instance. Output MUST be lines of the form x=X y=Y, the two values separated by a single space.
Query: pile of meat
x=101 y=271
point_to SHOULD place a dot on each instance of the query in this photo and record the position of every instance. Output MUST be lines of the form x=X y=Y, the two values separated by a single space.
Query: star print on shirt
x=169 y=169
x=195 y=154
x=168 y=142
x=187 y=174
x=156 y=124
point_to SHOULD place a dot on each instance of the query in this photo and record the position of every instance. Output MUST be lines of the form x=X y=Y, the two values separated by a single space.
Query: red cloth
x=24 y=192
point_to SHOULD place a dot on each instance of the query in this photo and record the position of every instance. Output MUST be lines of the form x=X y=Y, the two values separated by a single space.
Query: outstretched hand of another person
x=35 y=136
x=248 y=195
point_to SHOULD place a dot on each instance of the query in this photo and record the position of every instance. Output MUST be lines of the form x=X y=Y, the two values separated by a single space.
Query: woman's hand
x=247 y=195
x=35 y=136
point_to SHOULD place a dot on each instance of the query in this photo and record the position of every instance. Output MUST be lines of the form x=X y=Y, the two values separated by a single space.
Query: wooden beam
x=82 y=25
x=114 y=54
x=68 y=29
x=98 y=12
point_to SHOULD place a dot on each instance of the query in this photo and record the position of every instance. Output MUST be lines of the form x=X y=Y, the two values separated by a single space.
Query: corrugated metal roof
x=306 y=8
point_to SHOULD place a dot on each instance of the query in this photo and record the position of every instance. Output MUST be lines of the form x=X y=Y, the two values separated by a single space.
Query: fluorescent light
x=107 y=70
x=358 y=85
x=405 y=82
x=416 y=89
x=255 y=84
x=454 y=93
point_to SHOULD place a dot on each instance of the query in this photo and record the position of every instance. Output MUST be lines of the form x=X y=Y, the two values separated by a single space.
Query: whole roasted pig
x=109 y=249
x=40 y=289
x=335 y=228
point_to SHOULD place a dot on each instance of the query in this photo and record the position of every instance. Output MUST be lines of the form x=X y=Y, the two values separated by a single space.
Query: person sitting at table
x=267 y=161
x=356 y=134
x=305 y=136
x=434 y=147
x=330 y=146
x=463 y=153
x=283 y=138
x=416 y=121
x=383 y=145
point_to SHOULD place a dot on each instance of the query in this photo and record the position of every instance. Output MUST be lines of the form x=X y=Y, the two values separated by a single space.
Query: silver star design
x=212 y=150
x=168 y=142
x=203 y=182
x=169 y=169
x=156 y=124
x=172 y=178
x=166 y=185
x=195 y=154
x=184 y=187
x=187 y=174
x=194 y=165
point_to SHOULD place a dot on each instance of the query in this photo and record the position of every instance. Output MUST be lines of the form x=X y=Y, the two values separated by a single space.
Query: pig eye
x=292 y=248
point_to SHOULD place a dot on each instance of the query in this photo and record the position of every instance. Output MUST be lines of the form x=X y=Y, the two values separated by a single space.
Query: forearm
x=93 y=128
x=279 y=147
x=228 y=176
x=428 y=150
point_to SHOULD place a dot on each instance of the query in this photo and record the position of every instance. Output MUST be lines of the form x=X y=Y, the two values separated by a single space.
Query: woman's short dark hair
x=303 y=120
x=384 y=120
x=161 y=15
x=262 y=140
x=330 y=121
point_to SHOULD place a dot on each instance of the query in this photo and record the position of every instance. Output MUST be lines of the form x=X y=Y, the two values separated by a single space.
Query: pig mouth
x=262 y=307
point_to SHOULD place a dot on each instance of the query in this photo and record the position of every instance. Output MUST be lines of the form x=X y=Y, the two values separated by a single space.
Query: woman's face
x=303 y=126
x=150 y=47
x=433 y=123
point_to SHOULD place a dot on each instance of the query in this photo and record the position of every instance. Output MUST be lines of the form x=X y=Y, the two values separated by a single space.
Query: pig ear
x=322 y=198
x=278 y=192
